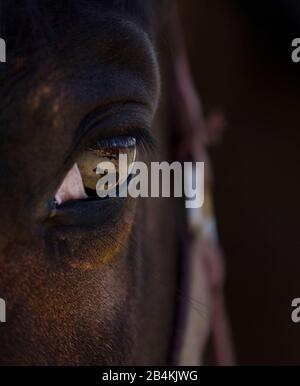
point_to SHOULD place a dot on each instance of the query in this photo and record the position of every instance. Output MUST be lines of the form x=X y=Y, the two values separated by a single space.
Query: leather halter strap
x=202 y=313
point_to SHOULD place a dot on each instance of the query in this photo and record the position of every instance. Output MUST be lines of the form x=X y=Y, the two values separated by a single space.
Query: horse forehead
x=42 y=92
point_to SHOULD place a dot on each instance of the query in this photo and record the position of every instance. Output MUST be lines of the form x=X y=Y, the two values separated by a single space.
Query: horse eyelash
x=144 y=140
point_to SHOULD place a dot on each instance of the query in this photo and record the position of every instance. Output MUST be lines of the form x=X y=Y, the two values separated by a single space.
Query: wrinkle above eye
x=71 y=188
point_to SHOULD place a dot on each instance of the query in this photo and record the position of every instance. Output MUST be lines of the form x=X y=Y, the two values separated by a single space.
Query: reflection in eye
x=82 y=179
x=103 y=151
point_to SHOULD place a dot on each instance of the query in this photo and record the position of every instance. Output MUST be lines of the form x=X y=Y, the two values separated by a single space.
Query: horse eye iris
x=81 y=180
x=103 y=151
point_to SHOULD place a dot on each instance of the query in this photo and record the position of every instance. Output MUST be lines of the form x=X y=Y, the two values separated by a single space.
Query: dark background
x=240 y=54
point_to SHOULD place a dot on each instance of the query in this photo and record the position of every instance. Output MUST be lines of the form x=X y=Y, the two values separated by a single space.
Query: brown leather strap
x=205 y=288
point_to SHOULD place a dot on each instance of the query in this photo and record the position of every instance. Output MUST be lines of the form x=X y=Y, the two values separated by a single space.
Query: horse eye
x=103 y=151
x=81 y=181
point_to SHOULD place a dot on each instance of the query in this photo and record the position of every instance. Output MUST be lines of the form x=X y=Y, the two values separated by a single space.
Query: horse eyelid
x=145 y=142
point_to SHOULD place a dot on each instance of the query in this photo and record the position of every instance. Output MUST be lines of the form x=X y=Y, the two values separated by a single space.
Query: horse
x=86 y=281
